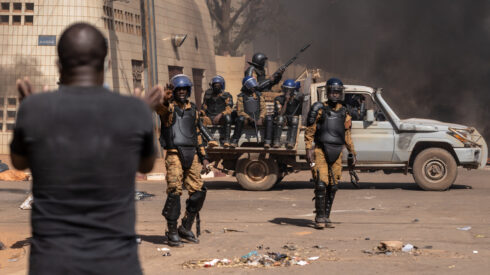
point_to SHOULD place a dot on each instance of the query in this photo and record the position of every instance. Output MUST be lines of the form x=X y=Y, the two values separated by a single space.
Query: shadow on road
x=14 y=190
x=295 y=185
x=20 y=244
x=295 y=222
x=154 y=239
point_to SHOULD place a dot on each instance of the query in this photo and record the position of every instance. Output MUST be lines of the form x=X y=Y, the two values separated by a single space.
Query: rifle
x=290 y=61
x=354 y=178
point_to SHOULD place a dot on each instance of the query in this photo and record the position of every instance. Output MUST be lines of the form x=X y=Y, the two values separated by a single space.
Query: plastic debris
x=466 y=228
x=226 y=230
x=390 y=246
x=479 y=236
x=367 y=238
x=415 y=220
x=141 y=195
x=428 y=247
x=291 y=247
x=407 y=248
x=138 y=240
x=254 y=259
x=475 y=251
x=13 y=260
x=27 y=204
x=163 y=249
x=166 y=254
x=2 y=246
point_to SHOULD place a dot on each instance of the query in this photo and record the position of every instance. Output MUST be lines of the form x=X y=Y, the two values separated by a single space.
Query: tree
x=238 y=21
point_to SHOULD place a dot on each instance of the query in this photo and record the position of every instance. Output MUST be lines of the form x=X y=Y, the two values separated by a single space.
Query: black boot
x=227 y=134
x=238 y=131
x=292 y=132
x=171 y=212
x=331 y=190
x=320 y=200
x=194 y=205
x=278 y=131
x=268 y=131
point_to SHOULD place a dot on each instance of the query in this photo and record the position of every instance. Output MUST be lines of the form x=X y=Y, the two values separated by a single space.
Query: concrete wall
x=231 y=68
x=121 y=23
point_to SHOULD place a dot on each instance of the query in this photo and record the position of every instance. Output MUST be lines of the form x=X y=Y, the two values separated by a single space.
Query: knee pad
x=171 y=210
x=228 y=119
x=196 y=201
x=320 y=187
x=333 y=187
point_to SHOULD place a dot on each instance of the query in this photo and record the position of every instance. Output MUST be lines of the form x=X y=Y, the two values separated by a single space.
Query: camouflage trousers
x=176 y=176
x=322 y=166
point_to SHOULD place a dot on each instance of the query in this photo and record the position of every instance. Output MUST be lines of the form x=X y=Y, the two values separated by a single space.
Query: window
x=29 y=7
x=17 y=6
x=16 y=19
x=10 y=126
x=4 y=19
x=5 y=6
x=11 y=114
x=28 y=20
x=174 y=70
x=12 y=101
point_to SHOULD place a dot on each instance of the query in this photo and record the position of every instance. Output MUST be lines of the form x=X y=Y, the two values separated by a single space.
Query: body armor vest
x=331 y=129
x=182 y=132
x=251 y=105
x=215 y=105
x=330 y=133
x=293 y=107
x=260 y=73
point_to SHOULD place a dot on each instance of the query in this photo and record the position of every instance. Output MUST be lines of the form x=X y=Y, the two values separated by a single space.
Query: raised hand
x=24 y=87
x=153 y=98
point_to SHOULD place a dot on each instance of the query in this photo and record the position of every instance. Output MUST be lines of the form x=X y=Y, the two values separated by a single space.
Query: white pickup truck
x=431 y=150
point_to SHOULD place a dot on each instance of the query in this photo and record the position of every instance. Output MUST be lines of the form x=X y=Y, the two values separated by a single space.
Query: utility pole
x=149 y=43
x=150 y=64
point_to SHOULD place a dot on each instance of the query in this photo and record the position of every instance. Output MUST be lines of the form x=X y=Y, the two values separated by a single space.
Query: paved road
x=388 y=207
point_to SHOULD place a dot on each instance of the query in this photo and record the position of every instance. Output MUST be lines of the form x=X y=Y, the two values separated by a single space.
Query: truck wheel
x=435 y=169
x=257 y=175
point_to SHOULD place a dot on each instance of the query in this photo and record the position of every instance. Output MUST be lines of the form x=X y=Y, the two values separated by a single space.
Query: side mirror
x=370 y=115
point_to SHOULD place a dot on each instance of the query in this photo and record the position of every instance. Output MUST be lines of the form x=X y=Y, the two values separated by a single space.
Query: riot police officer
x=217 y=107
x=181 y=138
x=257 y=69
x=329 y=126
x=251 y=110
x=287 y=108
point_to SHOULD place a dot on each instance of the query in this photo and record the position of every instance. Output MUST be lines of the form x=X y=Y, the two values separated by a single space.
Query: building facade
x=29 y=30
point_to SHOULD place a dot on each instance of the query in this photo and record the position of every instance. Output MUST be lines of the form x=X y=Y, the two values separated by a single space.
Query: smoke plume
x=431 y=57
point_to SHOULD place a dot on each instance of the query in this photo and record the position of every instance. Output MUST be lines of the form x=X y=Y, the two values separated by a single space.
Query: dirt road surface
x=387 y=207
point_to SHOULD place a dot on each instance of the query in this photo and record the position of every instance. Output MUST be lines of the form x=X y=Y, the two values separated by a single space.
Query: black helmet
x=259 y=59
x=335 y=85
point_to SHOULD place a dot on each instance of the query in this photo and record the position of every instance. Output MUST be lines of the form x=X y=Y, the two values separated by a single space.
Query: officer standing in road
x=329 y=126
x=251 y=110
x=181 y=138
x=287 y=108
x=257 y=69
x=217 y=107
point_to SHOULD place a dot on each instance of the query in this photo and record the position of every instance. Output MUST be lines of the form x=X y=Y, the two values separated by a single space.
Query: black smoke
x=432 y=57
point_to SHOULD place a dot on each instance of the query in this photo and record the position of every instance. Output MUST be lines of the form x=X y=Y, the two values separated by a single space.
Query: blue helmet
x=298 y=85
x=289 y=83
x=218 y=79
x=249 y=82
x=334 y=84
x=181 y=81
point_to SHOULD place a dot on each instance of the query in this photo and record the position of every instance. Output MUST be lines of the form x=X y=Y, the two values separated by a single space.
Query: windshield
x=387 y=107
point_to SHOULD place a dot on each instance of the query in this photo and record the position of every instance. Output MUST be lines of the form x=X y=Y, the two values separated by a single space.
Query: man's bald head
x=82 y=45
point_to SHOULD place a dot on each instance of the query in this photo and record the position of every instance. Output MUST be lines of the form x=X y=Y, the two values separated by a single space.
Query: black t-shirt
x=84 y=146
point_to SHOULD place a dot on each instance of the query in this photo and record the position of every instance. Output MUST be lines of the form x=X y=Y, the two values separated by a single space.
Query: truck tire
x=435 y=169
x=257 y=175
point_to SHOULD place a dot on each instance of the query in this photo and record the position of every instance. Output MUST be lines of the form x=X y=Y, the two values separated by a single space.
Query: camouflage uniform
x=176 y=176
x=320 y=162
x=228 y=100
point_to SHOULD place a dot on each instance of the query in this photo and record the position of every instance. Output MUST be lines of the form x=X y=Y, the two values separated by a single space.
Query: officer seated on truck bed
x=251 y=110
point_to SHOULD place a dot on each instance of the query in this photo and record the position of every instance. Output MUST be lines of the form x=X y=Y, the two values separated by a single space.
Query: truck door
x=373 y=141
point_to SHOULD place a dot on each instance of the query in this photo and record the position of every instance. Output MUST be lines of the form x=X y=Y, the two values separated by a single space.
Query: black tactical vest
x=293 y=107
x=331 y=128
x=215 y=105
x=251 y=105
x=182 y=132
